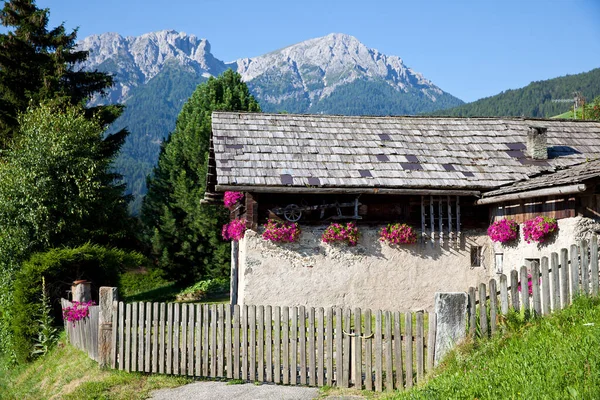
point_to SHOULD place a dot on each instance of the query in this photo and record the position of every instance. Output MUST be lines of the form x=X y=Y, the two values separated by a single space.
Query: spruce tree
x=185 y=236
x=37 y=63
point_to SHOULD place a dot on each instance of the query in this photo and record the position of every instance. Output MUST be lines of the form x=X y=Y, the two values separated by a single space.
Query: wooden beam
x=346 y=190
x=555 y=191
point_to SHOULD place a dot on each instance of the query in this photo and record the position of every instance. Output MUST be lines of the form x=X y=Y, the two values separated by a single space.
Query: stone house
x=449 y=178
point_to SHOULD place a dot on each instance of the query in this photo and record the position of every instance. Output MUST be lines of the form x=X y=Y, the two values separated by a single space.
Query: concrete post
x=107 y=296
x=451 y=311
x=81 y=291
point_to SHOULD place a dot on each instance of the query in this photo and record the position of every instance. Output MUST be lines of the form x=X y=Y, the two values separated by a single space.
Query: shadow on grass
x=165 y=293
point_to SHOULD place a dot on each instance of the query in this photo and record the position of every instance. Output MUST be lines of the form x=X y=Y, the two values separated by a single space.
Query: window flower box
x=339 y=233
x=539 y=228
x=503 y=231
x=281 y=232
x=398 y=234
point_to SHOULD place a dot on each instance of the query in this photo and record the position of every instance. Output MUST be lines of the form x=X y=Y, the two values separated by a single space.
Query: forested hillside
x=534 y=100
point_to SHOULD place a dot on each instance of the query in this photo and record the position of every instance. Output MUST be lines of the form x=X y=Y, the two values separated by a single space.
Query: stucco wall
x=570 y=230
x=371 y=275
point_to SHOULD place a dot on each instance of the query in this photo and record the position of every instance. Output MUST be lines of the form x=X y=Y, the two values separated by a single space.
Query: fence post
x=451 y=310
x=105 y=331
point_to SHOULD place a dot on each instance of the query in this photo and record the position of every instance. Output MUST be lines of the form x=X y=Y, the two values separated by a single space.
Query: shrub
x=503 y=231
x=340 y=233
x=234 y=230
x=61 y=267
x=232 y=198
x=539 y=228
x=283 y=232
x=398 y=234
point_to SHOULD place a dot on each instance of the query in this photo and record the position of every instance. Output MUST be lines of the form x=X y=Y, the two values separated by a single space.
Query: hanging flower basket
x=77 y=311
x=398 y=234
x=230 y=199
x=234 y=230
x=503 y=231
x=341 y=233
x=281 y=232
x=539 y=228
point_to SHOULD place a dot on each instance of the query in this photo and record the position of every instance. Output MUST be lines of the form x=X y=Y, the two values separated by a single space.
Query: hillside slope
x=534 y=100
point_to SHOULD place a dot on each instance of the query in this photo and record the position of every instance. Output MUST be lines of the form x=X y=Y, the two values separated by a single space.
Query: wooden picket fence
x=83 y=334
x=287 y=345
x=554 y=284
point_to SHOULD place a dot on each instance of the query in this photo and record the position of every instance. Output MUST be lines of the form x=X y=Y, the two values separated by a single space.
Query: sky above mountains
x=469 y=48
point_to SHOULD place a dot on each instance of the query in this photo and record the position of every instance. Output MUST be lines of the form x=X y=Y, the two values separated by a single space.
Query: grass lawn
x=549 y=358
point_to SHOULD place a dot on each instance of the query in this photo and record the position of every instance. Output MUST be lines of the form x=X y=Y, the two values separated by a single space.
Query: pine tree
x=185 y=236
x=37 y=64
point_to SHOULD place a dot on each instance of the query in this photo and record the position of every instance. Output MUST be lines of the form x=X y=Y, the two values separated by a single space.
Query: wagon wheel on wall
x=292 y=213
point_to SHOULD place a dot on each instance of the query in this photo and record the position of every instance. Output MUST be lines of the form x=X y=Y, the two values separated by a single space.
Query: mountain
x=336 y=74
x=534 y=100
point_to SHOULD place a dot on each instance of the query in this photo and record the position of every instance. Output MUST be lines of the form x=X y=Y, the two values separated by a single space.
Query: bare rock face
x=136 y=60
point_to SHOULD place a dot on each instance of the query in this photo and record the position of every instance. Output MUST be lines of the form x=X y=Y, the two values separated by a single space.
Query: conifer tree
x=185 y=236
x=37 y=63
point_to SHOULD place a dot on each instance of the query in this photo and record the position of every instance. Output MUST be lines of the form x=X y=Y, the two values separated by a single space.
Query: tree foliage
x=592 y=110
x=38 y=63
x=185 y=236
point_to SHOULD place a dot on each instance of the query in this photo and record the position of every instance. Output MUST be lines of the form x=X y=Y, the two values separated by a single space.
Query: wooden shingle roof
x=323 y=151
x=570 y=175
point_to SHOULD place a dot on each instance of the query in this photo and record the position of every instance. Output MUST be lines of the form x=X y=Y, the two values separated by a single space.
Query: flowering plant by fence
x=341 y=233
x=539 y=228
x=503 y=231
x=234 y=230
x=232 y=198
x=529 y=284
x=77 y=311
x=282 y=232
x=398 y=234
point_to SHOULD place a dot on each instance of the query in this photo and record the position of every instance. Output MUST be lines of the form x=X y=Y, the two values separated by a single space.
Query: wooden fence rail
x=83 y=334
x=551 y=285
x=290 y=345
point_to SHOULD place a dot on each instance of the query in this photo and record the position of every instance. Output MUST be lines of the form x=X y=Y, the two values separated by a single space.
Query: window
x=476 y=256
x=499 y=259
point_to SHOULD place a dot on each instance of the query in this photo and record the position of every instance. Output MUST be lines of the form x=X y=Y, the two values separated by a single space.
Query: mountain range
x=155 y=74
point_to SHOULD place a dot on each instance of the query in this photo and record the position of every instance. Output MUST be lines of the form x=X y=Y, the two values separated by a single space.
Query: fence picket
x=320 y=347
x=142 y=335
x=277 y=343
x=176 y=337
x=431 y=333
x=269 y=343
x=285 y=344
x=216 y=341
x=564 y=278
x=205 y=340
x=128 y=335
x=399 y=382
x=244 y=328
x=339 y=360
x=346 y=350
x=220 y=341
x=155 y=319
x=493 y=306
x=260 y=319
x=122 y=336
x=555 y=270
x=198 y=328
x=183 y=340
x=115 y=326
x=357 y=367
x=503 y=294
x=191 y=339
x=387 y=339
x=378 y=353
x=302 y=343
x=545 y=286
x=514 y=292
x=594 y=264
x=483 y=321
x=585 y=265
x=409 y=349
x=294 y=347
x=524 y=282
x=236 y=342
x=147 y=344
x=368 y=351
x=134 y=336
x=329 y=345
x=419 y=345
x=472 y=312
x=169 y=349
x=312 y=360
x=574 y=271
x=535 y=289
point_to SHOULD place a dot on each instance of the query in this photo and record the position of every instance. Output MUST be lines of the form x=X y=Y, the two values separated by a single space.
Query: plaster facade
x=371 y=275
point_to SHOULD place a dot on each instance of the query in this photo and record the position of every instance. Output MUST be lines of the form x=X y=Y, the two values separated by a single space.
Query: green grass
x=550 y=358
x=68 y=373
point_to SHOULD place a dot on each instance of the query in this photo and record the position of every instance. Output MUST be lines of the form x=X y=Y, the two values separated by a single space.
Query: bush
x=60 y=267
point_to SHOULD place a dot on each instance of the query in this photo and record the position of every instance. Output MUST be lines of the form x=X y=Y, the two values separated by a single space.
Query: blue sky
x=471 y=49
